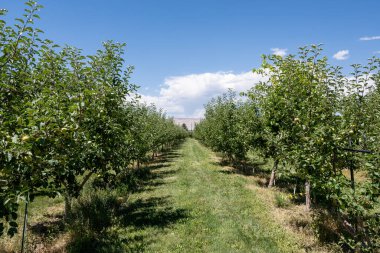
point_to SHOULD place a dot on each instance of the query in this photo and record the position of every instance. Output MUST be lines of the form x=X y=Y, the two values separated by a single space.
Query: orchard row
x=320 y=128
x=66 y=117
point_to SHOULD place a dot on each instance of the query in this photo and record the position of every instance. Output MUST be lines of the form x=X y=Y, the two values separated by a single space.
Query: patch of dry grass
x=359 y=176
x=45 y=228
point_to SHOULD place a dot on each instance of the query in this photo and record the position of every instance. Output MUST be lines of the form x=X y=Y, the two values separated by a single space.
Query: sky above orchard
x=186 y=52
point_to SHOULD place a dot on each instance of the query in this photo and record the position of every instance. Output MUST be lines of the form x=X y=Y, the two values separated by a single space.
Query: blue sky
x=185 y=52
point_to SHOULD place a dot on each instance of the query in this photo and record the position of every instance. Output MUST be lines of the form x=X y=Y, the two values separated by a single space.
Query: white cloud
x=185 y=96
x=377 y=52
x=168 y=104
x=366 y=38
x=342 y=55
x=279 y=51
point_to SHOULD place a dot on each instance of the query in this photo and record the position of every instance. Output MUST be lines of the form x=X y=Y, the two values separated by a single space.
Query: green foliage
x=309 y=117
x=65 y=117
x=93 y=219
x=94 y=212
x=221 y=129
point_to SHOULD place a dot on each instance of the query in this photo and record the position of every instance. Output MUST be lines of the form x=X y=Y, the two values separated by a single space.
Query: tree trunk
x=67 y=206
x=307 y=195
x=138 y=164
x=273 y=175
x=85 y=179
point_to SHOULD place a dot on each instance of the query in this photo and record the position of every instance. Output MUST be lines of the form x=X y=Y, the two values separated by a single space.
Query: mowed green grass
x=185 y=202
x=194 y=205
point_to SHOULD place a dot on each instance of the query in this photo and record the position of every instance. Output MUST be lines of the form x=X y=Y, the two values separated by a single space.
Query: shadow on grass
x=103 y=223
x=142 y=215
x=154 y=178
x=52 y=227
x=262 y=171
x=162 y=160
x=246 y=169
x=168 y=158
x=41 y=234
x=155 y=211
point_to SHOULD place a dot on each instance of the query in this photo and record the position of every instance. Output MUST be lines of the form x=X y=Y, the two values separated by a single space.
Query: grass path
x=192 y=204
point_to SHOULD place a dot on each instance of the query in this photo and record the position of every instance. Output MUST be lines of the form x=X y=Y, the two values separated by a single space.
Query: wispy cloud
x=342 y=55
x=185 y=96
x=366 y=38
x=279 y=51
x=377 y=52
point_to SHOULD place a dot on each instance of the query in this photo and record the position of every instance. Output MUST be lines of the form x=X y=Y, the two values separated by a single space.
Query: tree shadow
x=261 y=171
x=154 y=178
x=41 y=234
x=141 y=215
x=134 y=217
x=154 y=211
x=150 y=176
x=169 y=158
x=261 y=174
x=51 y=227
x=245 y=169
x=158 y=166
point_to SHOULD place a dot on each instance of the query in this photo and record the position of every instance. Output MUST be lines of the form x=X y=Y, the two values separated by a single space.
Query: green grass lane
x=192 y=204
